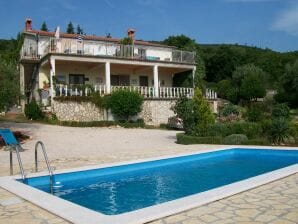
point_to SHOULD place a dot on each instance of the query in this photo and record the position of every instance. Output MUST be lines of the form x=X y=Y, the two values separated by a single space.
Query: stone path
x=274 y=203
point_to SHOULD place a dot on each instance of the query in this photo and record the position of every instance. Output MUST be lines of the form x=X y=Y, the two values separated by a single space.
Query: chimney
x=131 y=33
x=28 y=24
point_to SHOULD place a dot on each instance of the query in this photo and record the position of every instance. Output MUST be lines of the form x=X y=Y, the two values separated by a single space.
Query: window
x=76 y=79
x=142 y=53
x=61 y=79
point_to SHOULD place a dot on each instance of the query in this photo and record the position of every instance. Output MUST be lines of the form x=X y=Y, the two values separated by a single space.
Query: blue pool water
x=120 y=189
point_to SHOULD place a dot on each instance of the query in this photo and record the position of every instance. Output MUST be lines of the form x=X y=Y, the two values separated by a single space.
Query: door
x=76 y=79
x=120 y=80
x=143 y=80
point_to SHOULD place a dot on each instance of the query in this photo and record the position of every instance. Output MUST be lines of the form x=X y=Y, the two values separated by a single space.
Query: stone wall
x=154 y=111
x=157 y=111
x=77 y=111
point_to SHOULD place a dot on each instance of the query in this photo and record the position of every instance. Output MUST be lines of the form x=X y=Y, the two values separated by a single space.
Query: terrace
x=67 y=46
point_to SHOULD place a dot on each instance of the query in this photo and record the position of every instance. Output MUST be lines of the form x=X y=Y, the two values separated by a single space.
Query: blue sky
x=262 y=23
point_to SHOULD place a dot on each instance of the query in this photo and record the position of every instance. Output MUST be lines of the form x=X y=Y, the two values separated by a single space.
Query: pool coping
x=81 y=215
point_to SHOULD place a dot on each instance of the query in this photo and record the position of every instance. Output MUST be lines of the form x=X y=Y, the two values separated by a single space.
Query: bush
x=229 y=109
x=254 y=113
x=188 y=140
x=279 y=130
x=281 y=111
x=235 y=139
x=203 y=116
x=125 y=104
x=250 y=129
x=184 y=110
x=33 y=111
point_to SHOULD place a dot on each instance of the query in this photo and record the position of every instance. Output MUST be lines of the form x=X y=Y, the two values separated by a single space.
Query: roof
x=93 y=37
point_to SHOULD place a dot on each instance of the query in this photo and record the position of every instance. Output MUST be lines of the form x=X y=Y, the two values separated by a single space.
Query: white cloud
x=287 y=20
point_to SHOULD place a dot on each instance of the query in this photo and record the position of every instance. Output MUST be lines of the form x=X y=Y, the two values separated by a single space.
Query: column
x=22 y=87
x=108 y=77
x=52 y=73
x=193 y=77
x=156 y=82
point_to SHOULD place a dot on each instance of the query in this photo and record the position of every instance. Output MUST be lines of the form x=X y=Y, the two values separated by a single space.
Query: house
x=55 y=64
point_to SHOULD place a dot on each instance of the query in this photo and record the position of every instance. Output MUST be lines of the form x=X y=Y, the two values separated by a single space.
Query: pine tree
x=70 y=28
x=79 y=30
x=44 y=27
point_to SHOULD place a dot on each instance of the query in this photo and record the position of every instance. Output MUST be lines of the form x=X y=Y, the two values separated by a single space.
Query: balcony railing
x=106 y=49
x=147 y=92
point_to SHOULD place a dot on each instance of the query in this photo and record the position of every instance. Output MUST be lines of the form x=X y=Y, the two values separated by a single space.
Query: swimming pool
x=125 y=190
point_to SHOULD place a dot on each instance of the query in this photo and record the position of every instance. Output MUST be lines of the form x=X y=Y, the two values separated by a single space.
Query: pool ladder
x=17 y=149
x=51 y=174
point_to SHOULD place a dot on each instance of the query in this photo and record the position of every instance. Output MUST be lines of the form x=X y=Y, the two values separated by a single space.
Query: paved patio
x=69 y=147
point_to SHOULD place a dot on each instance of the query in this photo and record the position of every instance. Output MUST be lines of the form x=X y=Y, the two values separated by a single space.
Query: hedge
x=235 y=139
x=250 y=129
x=188 y=140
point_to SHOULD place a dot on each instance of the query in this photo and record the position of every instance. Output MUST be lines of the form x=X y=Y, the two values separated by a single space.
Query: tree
x=79 y=30
x=202 y=113
x=44 y=27
x=195 y=113
x=70 y=28
x=9 y=85
x=249 y=82
x=183 y=42
x=288 y=86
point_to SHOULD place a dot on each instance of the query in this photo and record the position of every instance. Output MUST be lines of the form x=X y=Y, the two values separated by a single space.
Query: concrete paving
x=68 y=147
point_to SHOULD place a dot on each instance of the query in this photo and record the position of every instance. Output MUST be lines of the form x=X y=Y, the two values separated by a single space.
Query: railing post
x=11 y=162
x=66 y=90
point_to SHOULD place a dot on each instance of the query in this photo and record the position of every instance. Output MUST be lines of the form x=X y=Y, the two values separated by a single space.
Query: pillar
x=52 y=73
x=156 y=82
x=108 y=77
x=22 y=87
x=193 y=76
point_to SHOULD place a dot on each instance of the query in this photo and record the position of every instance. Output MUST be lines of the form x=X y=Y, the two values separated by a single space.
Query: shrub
x=250 y=129
x=33 y=111
x=279 y=130
x=125 y=104
x=203 y=116
x=254 y=113
x=229 y=109
x=184 y=109
x=235 y=139
x=281 y=111
x=188 y=140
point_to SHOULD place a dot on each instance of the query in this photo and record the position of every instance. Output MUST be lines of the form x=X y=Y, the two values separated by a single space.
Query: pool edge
x=78 y=214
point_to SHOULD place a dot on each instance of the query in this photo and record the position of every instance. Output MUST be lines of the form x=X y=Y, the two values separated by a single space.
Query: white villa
x=55 y=64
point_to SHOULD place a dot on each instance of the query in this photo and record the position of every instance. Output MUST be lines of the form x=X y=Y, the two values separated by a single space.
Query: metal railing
x=47 y=162
x=17 y=147
x=147 y=92
x=107 y=49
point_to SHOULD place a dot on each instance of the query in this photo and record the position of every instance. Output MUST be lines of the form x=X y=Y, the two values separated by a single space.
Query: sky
x=263 y=23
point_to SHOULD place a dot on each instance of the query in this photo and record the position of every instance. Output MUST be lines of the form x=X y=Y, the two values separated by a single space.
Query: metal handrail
x=47 y=162
x=19 y=161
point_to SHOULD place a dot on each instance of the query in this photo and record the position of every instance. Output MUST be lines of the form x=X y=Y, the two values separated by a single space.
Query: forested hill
x=222 y=59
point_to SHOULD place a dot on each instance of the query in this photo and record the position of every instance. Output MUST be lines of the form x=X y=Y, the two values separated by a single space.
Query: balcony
x=145 y=91
x=105 y=49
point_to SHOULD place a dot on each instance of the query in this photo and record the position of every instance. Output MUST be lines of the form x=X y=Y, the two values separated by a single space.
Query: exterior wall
x=74 y=111
x=163 y=54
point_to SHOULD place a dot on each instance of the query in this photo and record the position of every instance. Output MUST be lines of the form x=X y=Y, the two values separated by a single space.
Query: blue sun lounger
x=10 y=140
